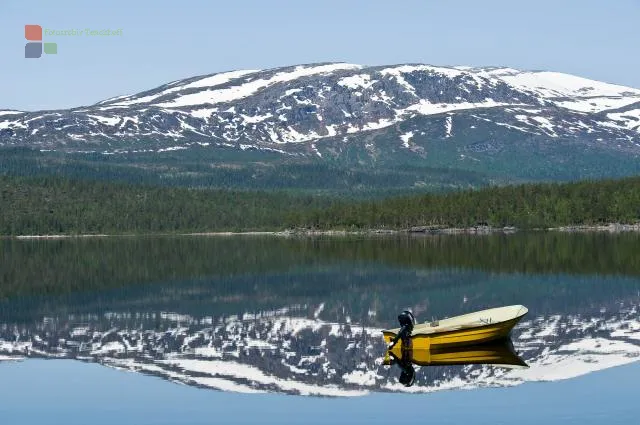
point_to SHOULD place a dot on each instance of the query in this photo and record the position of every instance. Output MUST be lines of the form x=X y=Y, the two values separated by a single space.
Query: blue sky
x=163 y=41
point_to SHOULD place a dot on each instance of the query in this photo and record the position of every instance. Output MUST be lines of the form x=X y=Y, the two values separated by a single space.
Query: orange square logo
x=33 y=32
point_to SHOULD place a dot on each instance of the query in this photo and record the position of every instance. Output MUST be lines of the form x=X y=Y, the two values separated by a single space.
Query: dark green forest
x=243 y=170
x=525 y=206
x=52 y=205
x=59 y=205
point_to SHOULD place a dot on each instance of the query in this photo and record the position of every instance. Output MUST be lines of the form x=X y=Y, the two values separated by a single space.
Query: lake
x=291 y=326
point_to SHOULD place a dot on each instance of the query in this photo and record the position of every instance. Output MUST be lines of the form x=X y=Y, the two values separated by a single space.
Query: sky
x=161 y=41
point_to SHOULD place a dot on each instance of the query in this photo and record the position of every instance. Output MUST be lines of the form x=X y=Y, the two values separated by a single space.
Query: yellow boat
x=493 y=353
x=469 y=329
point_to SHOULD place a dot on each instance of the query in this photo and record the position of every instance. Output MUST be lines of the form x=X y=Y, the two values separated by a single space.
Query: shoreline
x=611 y=228
x=418 y=230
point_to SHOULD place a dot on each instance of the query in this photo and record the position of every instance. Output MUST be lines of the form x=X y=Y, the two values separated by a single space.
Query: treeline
x=210 y=169
x=524 y=206
x=55 y=205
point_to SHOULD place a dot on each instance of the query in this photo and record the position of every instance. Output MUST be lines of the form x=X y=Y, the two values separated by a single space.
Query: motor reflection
x=501 y=354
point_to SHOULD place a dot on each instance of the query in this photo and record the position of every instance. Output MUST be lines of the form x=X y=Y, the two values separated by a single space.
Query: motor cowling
x=407 y=320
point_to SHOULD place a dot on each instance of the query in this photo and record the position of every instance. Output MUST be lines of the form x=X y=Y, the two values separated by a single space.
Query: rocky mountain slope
x=418 y=114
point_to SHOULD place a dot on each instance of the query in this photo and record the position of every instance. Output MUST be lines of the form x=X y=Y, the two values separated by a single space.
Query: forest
x=525 y=206
x=60 y=205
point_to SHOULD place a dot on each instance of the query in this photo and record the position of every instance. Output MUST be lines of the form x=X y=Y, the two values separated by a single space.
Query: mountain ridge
x=488 y=119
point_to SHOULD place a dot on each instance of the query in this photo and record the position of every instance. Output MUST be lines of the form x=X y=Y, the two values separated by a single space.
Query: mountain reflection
x=277 y=351
x=304 y=316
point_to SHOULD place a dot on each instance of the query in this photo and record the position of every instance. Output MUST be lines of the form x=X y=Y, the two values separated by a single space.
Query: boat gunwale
x=515 y=321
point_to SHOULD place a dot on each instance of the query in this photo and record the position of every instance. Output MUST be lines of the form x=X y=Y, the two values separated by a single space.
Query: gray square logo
x=32 y=50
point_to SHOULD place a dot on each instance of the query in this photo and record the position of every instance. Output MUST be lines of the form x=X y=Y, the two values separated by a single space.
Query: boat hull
x=459 y=337
x=494 y=353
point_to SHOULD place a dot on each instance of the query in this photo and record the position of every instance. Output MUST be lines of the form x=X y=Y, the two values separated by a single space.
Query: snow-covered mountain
x=281 y=351
x=316 y=110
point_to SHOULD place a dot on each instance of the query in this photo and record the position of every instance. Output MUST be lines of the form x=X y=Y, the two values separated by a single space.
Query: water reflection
x=499 y=353
x=305 y=317
x=279 y=351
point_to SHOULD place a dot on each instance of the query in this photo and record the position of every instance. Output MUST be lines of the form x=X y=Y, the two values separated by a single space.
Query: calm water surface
x=302 y=317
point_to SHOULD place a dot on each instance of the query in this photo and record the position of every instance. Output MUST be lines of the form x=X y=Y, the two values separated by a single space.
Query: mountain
x=501 y=122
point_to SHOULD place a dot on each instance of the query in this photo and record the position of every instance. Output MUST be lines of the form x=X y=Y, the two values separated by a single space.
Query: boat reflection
x=500 y=353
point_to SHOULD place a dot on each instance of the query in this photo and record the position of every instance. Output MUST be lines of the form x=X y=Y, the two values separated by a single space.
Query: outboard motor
x=407 y=322
x=407 y=319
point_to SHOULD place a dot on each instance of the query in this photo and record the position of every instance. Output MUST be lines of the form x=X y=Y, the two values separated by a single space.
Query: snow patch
x=172 y=148
x=252 y=87
x=448 y=124
x=556 y=84
x=218 y=79
x=361 y=377
x=585 y=356
x=598 y=104
x=628 y=119
x=291 y=91
x=406 y=137
x=12 y=124
x=356 y=81
x=212 y=81
x=111 y=121
x=545 y=124
x=217 y=368
x=256 y=118
x=425 y=107
x=203 y=113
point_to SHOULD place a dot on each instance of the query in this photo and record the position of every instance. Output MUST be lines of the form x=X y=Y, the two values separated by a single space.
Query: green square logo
x=51 y=48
